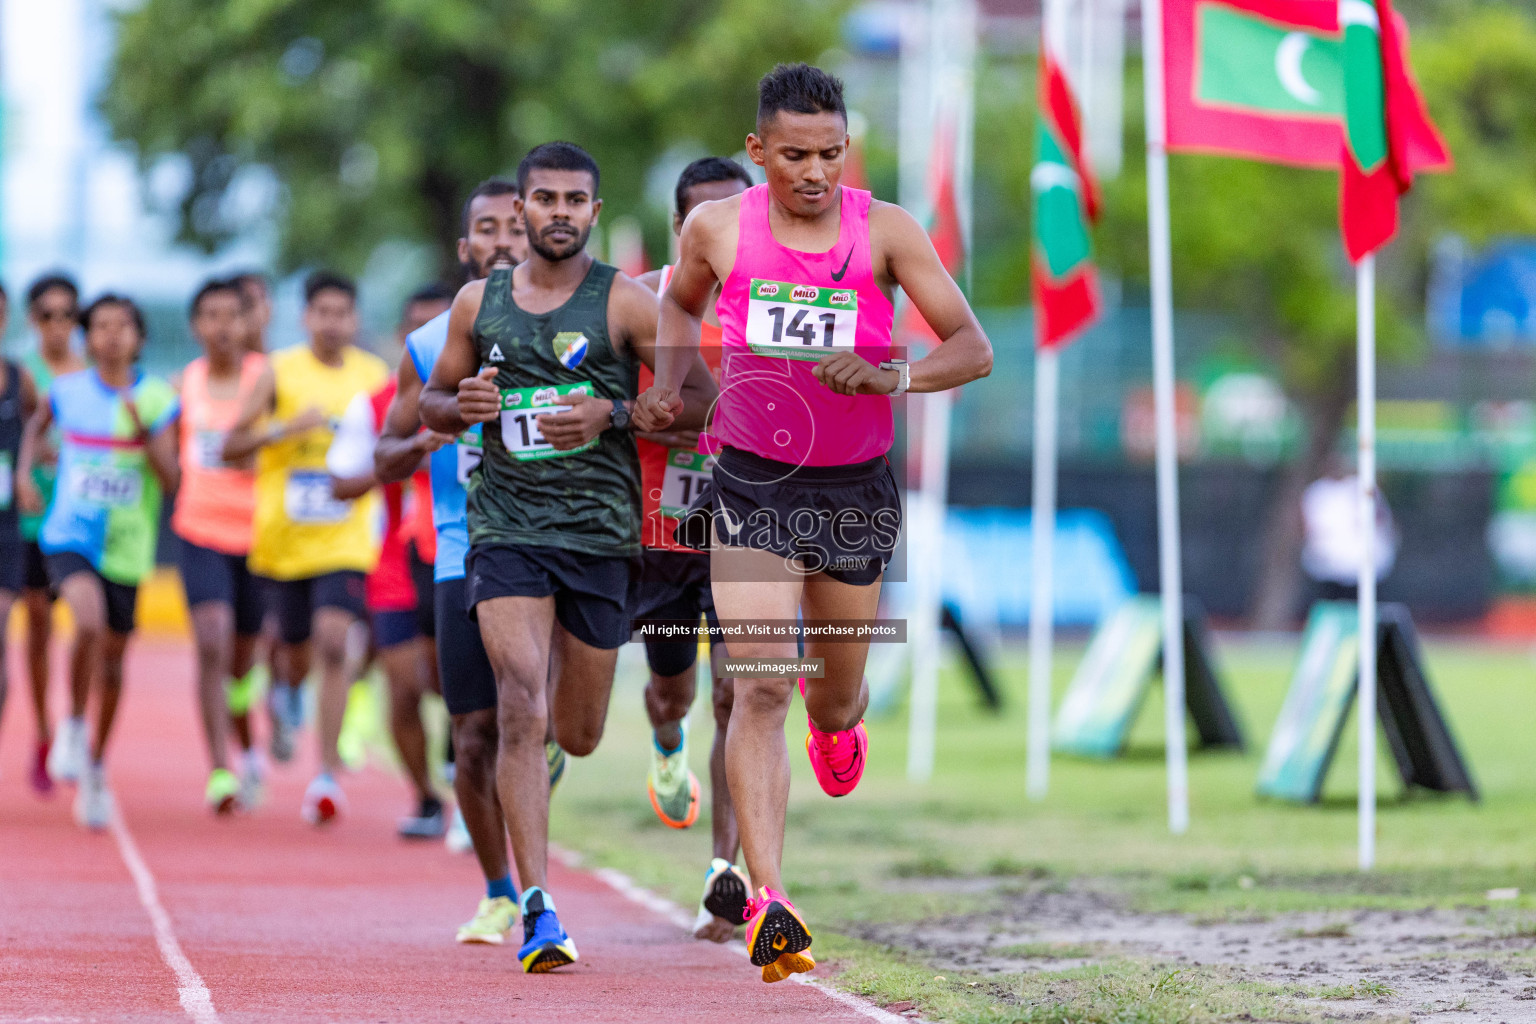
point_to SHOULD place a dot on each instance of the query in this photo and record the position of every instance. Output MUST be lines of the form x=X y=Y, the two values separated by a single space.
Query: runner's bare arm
x=698 y=390
x=164 y=458
x=248 y=434
x=459 y=392
x=911 y=262
x=682 y=313
x=402 y=443
x=651 y=279
x=28 y=497
x=29 y=396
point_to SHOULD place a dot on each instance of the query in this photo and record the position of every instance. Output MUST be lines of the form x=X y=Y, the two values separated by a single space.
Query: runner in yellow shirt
x=313 y=549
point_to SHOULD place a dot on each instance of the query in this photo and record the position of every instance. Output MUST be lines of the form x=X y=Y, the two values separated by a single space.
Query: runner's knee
x=760 y=697
x=670 y=697
x=475 y=738
x=521 y=711
x=724 y=696
x=578 y=734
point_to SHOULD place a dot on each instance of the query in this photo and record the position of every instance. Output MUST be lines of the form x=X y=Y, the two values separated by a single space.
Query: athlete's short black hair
x=801 y=89
x=214 y=286
x=434 y=292
x=47 y=283
x=556 y=156
x=321 y=280
x=114 y=299
x=704 y=171
x=489 y=187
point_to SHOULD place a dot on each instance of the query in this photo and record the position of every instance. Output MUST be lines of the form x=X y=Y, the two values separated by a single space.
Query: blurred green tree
x=376 y=116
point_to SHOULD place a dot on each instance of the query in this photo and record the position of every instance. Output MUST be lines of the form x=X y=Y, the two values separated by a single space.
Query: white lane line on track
x=663 y=907
x=194 y=995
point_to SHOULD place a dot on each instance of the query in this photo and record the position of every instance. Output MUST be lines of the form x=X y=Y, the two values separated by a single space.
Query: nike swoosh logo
x=838 y=276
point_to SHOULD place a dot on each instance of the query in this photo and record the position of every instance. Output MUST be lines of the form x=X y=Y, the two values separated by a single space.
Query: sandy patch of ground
x=1435 y=965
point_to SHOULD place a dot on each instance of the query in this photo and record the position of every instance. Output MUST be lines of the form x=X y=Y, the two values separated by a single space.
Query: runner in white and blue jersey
x=493 y=238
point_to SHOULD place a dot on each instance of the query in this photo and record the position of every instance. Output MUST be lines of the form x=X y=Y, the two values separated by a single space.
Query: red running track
x=280 y=922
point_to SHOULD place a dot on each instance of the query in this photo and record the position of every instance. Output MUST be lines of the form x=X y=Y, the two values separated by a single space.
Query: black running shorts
x=37 y=568
x=672 y=585
x=421 y=579
x=122 y=599
x=13 y=564
x=840 y=520
x=209 y=575
x=590 y=591
x=468 y=682
x=294 y=601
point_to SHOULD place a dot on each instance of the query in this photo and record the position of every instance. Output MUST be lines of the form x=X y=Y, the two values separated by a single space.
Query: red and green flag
x=944 y=228
x=1262 y=79
x=1388 y=135
x=1066 y=203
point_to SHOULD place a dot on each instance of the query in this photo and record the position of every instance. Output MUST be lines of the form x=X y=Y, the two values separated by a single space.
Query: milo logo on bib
x=688 y=472
x=520 y=412
x=800 y=321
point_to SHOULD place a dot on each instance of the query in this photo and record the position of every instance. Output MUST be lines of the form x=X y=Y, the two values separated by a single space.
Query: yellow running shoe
x=554 y=757
x=777 y=936
x=492 y=922
x=223 y=793
x=673 y=788
x=787 y=964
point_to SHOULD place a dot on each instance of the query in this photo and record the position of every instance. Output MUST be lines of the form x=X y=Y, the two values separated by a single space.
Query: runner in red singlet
x=673 y=587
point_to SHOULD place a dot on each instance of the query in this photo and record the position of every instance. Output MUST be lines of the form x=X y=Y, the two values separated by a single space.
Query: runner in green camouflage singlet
x=554 y=509
x=587 y=499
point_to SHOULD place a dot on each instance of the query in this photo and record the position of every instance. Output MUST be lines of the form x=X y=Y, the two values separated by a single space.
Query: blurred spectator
x=1330 y=522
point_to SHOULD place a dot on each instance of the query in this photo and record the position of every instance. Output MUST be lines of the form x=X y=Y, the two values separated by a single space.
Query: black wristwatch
x=618 y=419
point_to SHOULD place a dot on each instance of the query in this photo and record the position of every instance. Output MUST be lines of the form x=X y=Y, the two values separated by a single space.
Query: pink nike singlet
x=780 y=311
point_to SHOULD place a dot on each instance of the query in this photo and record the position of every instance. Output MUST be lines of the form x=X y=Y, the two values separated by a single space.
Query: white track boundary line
x=194 y=995
x=663 y=907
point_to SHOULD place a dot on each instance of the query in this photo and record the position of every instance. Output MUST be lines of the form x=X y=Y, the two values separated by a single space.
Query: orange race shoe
x=777 y=937
x=836 y=757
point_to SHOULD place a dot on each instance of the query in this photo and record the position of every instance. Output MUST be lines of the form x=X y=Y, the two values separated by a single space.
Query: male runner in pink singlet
x=803 y=509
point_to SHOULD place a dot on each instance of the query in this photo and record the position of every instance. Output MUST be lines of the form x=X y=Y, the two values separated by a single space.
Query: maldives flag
x=1066 y=202
x=1388 y=135
x=1262 y=79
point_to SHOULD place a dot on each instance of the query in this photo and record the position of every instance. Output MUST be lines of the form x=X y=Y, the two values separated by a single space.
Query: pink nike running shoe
x=837 y=758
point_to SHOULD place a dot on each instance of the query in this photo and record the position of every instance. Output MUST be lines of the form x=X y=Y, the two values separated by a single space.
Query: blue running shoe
x=545 y=944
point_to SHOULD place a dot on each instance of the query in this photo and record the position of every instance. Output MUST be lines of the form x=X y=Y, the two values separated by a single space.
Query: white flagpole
x=1042 y=540
x=953 y=45
x=1365 y=354
x=1163 y=393
x=1042 y=554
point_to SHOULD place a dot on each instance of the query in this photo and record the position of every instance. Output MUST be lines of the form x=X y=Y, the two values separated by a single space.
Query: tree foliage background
x=376 y=116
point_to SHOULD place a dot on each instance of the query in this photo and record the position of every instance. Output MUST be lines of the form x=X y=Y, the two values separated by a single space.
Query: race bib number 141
x=801 y=321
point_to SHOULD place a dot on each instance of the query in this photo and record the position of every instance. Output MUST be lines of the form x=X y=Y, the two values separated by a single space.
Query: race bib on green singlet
x=468 y=448
x=520 y=412
x=688 y=472
x=7 y=481
x=208 y=449
x=800 y=321
x=106 y=483
x=307 y=499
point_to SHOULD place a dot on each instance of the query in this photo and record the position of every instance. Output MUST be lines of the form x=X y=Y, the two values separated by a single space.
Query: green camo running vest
x=525 y=492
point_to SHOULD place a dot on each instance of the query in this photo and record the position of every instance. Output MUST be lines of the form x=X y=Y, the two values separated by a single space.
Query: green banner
x=1101 y=703
x=1316 y=705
